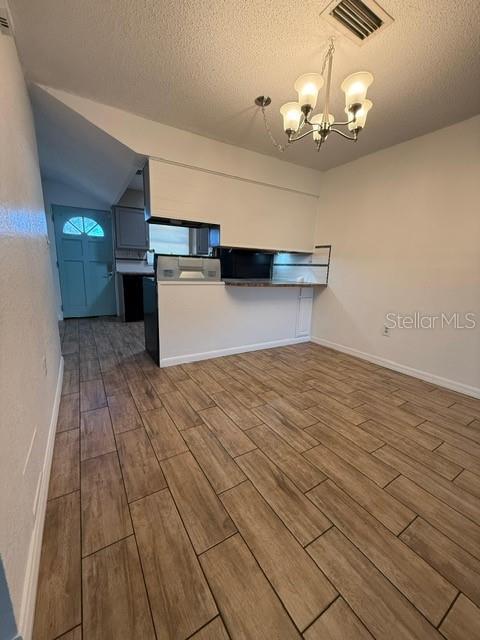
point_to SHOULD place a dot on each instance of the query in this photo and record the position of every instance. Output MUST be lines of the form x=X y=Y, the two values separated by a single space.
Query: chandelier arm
x=343 y=124
x=344 y=135
x=304 y=135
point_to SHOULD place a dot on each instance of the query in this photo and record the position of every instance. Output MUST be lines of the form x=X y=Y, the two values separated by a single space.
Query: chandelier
x=298 y=115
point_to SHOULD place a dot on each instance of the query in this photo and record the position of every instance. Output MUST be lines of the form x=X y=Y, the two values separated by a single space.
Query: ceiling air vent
x=4 y=22
x=359 y=20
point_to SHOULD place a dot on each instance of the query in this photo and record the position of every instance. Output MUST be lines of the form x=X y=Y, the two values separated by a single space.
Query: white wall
x=405 y=228
x=249 y=214
x=30 y=358
x=55 y=192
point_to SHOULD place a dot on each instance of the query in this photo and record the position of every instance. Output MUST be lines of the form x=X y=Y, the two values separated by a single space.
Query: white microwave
x=186 y=268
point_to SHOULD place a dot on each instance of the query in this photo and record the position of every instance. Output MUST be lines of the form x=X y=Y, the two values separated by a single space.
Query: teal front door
x=85 y=261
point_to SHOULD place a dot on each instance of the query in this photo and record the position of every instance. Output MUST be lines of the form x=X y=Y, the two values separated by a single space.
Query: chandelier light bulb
x=355 y=87
x=360 y=115
x=317 y=121
x=292 y=115
x=307 y=87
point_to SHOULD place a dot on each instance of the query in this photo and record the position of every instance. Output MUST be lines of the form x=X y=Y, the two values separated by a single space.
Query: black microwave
x=244 y=264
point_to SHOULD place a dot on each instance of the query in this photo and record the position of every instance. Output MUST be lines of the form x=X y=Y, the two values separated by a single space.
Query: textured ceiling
x=199 y=65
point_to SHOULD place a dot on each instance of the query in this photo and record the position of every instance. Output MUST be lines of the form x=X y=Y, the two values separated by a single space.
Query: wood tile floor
x=287 y=493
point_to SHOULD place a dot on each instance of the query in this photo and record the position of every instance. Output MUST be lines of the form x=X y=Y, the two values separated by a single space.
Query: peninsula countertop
x=134 y=267
x=258 y=282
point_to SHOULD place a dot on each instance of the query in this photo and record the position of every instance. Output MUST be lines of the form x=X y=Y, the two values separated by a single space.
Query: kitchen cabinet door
x=131 y=228
x=304 y=317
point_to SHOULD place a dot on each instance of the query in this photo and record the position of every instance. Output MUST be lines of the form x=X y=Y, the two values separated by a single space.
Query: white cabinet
x=249 y=214
x=304 y=315
x=131 y=228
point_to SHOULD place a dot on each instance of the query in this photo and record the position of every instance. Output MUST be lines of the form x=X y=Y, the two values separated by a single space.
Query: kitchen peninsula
x=189 y=319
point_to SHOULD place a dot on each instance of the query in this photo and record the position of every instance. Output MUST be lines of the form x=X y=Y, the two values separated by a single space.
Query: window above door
x=78 y=225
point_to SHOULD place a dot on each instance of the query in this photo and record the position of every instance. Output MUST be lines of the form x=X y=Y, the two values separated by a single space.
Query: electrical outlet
x=386 y=331
x=45 y=368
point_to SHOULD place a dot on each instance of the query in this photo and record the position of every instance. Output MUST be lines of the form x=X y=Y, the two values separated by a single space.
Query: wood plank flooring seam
x=374 y=541
x=62 y=495
x=221 y=446
x=406 y=527
x=66 y=632
x=70 y=429
x=282 y=608
x=459 y=473
x=363 y=460
x=152 y=443
x=110 y=544
x=172 y=492
x=393 y=585
x=233 y=487
x=231 y=535
x=313 y=520
x=393 y=479
x=460 y=516
x=204 y=626
x=267 y=579
x=356 y=501
x=138 y=551
x=449 y=609
x=324 y=611
x=356 y=468
x=192 y=548
x=306 y=593
x=123 y=486
x=451 y=505
x=197 y=556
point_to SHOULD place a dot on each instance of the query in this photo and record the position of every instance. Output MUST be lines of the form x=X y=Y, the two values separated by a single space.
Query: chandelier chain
x=328 y=54
x=280 y=147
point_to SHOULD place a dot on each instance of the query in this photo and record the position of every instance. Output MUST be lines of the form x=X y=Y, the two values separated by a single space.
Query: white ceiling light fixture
x=298 y=115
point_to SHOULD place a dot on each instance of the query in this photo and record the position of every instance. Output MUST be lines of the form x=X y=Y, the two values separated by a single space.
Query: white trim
x=460 y=387
x=207 y=355
x=31 y=575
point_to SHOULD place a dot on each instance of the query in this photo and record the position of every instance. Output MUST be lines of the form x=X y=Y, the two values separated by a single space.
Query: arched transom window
x=78 y=225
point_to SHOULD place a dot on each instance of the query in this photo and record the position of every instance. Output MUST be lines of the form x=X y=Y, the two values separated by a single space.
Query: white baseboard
x=453 y=385
x=207 y=355
x=25 y=626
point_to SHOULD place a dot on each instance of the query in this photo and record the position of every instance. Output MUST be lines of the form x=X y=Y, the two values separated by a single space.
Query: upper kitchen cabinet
x=131 y=228
x=250 y=214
